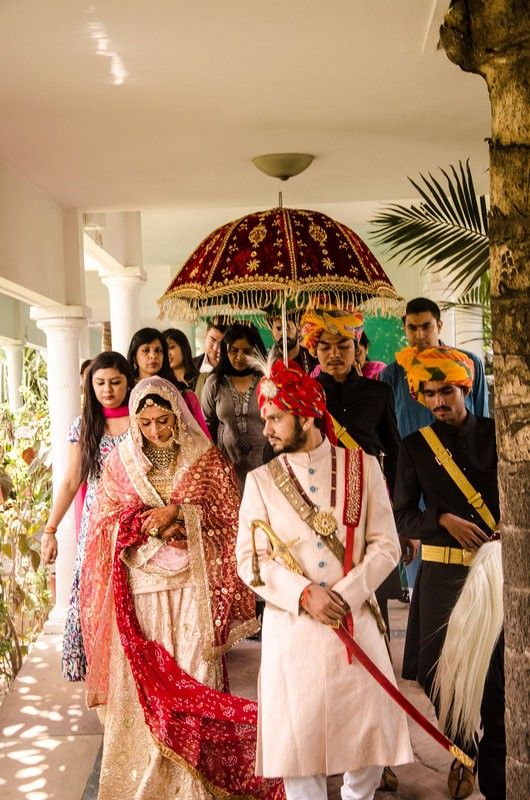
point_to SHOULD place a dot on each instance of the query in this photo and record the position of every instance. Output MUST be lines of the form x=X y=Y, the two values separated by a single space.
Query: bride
x=160 y=605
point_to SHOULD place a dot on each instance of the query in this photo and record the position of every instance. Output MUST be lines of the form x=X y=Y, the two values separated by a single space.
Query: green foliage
x=35 y=374
x=24 y=597
x=35 y=380
x=447 y=231
x=386 y=337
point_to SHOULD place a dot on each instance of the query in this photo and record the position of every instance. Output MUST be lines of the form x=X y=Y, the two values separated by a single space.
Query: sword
x=281 y=550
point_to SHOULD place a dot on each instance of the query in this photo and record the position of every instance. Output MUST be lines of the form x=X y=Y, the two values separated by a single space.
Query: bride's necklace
x=164 y=461
x=162 y=458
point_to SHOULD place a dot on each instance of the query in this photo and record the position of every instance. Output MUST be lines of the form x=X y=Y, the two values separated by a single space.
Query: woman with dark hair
x=181 y=357
x=103 y=424
x=148 y=356
x=369 y=369
x=230 y=403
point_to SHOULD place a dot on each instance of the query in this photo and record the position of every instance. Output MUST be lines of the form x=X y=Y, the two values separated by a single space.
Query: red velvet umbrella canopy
x=282 y=255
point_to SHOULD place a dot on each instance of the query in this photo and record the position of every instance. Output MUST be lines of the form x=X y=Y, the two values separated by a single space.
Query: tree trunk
x=492 y=38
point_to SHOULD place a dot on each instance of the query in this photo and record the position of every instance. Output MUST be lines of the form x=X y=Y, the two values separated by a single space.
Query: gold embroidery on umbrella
x=257 y=234
x=317 y=233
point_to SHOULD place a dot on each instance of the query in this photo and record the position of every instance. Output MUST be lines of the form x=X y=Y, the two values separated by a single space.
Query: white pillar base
x=56 y=620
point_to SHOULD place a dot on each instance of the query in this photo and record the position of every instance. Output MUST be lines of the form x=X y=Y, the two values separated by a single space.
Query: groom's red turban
x=292 y=390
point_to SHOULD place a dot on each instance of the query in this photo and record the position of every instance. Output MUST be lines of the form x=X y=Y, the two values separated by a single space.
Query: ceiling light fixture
x=283 y=165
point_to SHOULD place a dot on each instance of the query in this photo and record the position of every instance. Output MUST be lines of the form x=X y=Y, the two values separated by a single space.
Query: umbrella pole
x=284 y=331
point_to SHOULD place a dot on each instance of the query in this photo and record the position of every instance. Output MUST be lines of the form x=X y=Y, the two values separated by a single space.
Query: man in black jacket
x=364 y=407
x=451 y=531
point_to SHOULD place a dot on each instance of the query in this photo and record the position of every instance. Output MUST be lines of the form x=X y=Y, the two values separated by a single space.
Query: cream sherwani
x=318 y=714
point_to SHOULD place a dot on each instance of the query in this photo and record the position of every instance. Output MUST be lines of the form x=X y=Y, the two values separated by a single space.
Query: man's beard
x=296 y=442
x=291 y=344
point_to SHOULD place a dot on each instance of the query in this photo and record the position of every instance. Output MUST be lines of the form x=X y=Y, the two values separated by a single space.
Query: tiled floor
x=50 y=741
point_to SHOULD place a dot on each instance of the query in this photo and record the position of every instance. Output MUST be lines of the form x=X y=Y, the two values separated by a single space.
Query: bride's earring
x=175 y=436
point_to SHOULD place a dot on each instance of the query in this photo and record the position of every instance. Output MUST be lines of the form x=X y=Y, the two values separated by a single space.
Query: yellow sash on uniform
x=445 y=459
x=343 y=436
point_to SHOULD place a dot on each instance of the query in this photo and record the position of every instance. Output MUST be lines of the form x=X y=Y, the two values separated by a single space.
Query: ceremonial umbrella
x=283 y=256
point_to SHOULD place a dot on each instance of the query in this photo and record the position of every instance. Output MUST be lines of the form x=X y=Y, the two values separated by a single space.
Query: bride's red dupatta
x=209 y=732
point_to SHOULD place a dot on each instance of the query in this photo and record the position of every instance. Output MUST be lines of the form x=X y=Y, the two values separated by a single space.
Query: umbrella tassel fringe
x=231 y=306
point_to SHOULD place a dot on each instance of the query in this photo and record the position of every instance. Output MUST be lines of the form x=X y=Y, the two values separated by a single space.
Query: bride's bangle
x=50 y=530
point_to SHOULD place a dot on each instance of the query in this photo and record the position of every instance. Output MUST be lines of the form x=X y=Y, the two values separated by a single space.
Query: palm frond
x=476 y=301
x=477 y=297
x=447 y=230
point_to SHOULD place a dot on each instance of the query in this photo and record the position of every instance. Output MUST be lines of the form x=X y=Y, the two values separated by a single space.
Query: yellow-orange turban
x=345 y=323
x=435 y=364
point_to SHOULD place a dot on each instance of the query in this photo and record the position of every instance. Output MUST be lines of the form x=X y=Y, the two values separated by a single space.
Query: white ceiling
x=184 y=92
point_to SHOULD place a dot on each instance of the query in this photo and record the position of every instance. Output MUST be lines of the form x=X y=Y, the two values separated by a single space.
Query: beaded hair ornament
x=150 y=403
x=193 y=442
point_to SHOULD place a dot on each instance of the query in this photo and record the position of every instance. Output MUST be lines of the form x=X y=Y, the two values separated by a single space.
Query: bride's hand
x=176 y=532
x=159 y=519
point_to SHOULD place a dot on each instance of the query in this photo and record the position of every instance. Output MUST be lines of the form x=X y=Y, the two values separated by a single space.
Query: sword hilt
x=279 y=550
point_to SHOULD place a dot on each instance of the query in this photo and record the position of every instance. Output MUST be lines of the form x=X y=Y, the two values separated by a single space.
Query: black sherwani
x=366 y=409
x=438 y=585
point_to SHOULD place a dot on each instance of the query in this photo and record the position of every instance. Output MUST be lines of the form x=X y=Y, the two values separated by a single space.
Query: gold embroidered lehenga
x=186 y=598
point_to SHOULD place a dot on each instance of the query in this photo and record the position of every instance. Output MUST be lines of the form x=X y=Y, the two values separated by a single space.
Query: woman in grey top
x=230 y=403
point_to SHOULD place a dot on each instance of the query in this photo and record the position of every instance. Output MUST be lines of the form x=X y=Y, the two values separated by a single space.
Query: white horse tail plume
x=263 y=363
x=474 y=627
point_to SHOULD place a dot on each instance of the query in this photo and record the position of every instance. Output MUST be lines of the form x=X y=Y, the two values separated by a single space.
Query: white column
x=461 y=327
x=437 y=290
x=469 y=324
x=15 y=366
x=200 y=334
x=84 y=343
x=124 y=290
x=63 y=326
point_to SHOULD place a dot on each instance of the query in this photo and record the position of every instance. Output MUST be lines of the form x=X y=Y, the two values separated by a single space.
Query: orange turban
x=345 y=323
x=435 y=364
